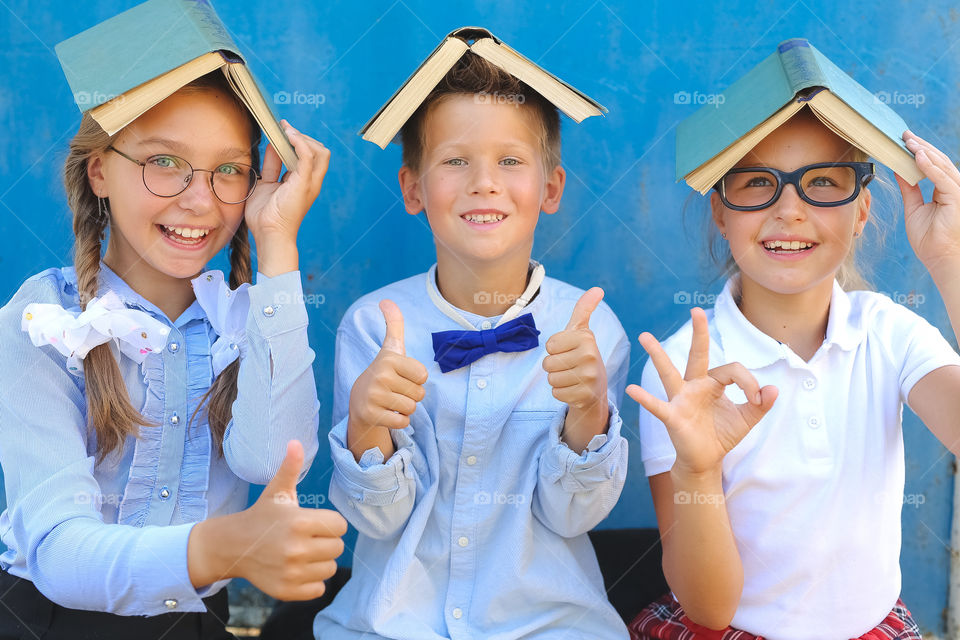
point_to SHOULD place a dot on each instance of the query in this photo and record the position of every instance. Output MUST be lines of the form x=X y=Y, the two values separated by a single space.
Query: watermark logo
x=697 y=298
x=697 y=98
x=685 y=497
x=900 y=99
x=485 y=498
x=496 y=97
x=299 y=98
x=494 y=297
x=908 y=299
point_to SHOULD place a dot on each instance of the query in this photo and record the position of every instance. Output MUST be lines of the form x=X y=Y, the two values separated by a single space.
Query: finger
x=411 y=369
x=753 y=413
x=945 y=183
x=399 y=403
x=562 y=379
x=699 y=358
x=305 y=153
x=393 y=339
x=911 y=194
x=271 y=165
x=736 y=373
x=650 y=402
x=913 y=140
x=580 y=318
x=285 y=479
x=390 y=419
x=567 y=340
x=668 y=373
x=407 y=387
x=561 y=361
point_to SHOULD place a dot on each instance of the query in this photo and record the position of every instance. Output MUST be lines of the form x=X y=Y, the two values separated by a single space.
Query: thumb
x=912 y=196
x=283 y=486
x=393 y=340
x=580 y=318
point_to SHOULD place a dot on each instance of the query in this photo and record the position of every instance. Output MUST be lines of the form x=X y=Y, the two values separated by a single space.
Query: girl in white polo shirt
x=776 y=460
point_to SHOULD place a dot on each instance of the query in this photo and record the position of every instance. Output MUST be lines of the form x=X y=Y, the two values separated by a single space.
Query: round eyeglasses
x=825 y=184
x=167 y=176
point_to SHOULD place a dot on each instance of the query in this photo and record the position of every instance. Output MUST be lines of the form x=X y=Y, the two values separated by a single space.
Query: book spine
x=800 y=65
x=202 y=14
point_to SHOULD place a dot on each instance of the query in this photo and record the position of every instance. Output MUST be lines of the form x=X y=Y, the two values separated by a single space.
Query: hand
x=387 y=392
x=577 y=373
x=704 y=425
x=285 y=550
x=276 y=209
x=933 y=228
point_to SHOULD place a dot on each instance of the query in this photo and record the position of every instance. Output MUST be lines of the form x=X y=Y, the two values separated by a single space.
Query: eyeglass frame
x=143 y=174
x=865 y=172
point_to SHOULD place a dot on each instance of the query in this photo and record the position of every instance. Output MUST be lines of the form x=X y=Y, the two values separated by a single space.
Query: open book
x=123 y=66
x=712 y=140
x=383 y=127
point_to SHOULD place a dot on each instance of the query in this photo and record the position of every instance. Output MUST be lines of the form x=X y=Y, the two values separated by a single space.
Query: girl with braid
x=140 y=395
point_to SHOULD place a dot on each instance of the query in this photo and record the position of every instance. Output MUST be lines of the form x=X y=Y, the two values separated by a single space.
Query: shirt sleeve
x=576 y=491
x=276 y=390
x=375 y=495
x=916 y=345
x=53 y=523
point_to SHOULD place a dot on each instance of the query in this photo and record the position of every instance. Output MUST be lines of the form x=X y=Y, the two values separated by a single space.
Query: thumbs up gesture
x=577 y=374
x=386 y=394
x=286 y=550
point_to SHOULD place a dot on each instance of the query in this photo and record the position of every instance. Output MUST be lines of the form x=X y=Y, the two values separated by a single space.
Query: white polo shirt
x=814 y=491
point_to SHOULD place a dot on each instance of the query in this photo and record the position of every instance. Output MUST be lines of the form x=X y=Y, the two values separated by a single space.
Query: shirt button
x=174 y=419
x=463 y=541
x=269 y=311
x=481 y=383
x=485 y=325
x=457 y=613
x=173 y=347
x=170 y=604
x=814 y=422
x=164 y=493
x=809 y=384
x=471 y=460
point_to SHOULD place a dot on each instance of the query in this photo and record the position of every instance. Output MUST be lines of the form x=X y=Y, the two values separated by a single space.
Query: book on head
x=718 y=135
x=391 y=117
x=120 y=68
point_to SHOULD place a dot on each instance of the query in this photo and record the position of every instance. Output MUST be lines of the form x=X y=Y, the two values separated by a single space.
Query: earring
x=102 y=211
x=856 y=234
x=723 y=235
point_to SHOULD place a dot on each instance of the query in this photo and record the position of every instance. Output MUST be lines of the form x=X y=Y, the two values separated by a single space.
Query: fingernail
x=757 y=399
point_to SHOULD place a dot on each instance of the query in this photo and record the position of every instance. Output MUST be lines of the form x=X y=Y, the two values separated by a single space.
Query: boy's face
x=482 y=181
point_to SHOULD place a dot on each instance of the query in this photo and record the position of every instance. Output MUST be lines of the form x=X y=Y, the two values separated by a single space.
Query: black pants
x=26 y=614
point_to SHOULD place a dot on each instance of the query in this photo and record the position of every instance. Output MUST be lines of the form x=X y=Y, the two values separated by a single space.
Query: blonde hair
x=110 y=414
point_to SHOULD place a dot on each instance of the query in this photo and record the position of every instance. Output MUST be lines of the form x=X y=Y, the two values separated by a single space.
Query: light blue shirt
x=476 y=526
x=113 y=536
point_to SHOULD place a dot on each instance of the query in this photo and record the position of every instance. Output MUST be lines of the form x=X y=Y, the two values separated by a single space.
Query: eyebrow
x=181 y=148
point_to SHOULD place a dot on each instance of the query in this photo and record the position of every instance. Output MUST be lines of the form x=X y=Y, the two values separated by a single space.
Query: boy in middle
x=472 y=455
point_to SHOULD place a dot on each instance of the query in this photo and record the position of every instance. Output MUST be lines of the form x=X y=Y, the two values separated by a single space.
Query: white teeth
x=187 y=233
x=787 y=245
x=484 y=218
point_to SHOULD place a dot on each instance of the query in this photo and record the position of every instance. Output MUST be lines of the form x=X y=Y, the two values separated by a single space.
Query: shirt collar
x=743 y=342
x=470 y=321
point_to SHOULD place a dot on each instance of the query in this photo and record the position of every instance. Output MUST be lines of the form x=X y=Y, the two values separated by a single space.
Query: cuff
x=575 y=472
x=277 y=304
x=162 y=555
x=373 y=481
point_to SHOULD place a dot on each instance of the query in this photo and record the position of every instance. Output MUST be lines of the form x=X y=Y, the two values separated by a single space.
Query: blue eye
x=456 y=162
x=510 y=162
x=166 y=162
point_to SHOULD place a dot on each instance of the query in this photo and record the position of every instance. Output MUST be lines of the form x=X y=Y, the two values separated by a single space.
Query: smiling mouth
x=484 y=218
x=184 y=235
x=788 y=246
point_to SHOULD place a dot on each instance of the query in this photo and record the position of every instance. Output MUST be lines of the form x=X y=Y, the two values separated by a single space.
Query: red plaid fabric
x=666 y=620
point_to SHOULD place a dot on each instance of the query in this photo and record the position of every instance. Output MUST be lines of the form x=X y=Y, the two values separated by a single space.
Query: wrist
x=208 y=550
x=276 y=256
x=581 y=425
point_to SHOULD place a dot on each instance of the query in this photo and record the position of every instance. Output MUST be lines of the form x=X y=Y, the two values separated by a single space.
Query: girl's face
x=152 y=237
x=826 y=232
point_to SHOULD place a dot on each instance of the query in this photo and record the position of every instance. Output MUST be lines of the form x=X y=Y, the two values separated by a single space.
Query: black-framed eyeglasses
x=167 y=176
x=824 y=184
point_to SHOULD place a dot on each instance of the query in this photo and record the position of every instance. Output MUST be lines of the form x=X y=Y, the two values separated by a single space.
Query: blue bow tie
x=455 y=349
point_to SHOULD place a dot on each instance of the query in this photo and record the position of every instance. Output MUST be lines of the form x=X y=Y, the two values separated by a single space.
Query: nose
x=483 y=179
x=199 y=195
x=790 y=206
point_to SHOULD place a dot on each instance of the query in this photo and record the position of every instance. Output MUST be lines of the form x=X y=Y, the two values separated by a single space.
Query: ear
x=863 y=211
x=410 y=187
x=717 y=210
x=553 y=190
x=95 y=175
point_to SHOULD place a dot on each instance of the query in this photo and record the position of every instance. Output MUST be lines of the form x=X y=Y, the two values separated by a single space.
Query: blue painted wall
x=620 y=225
